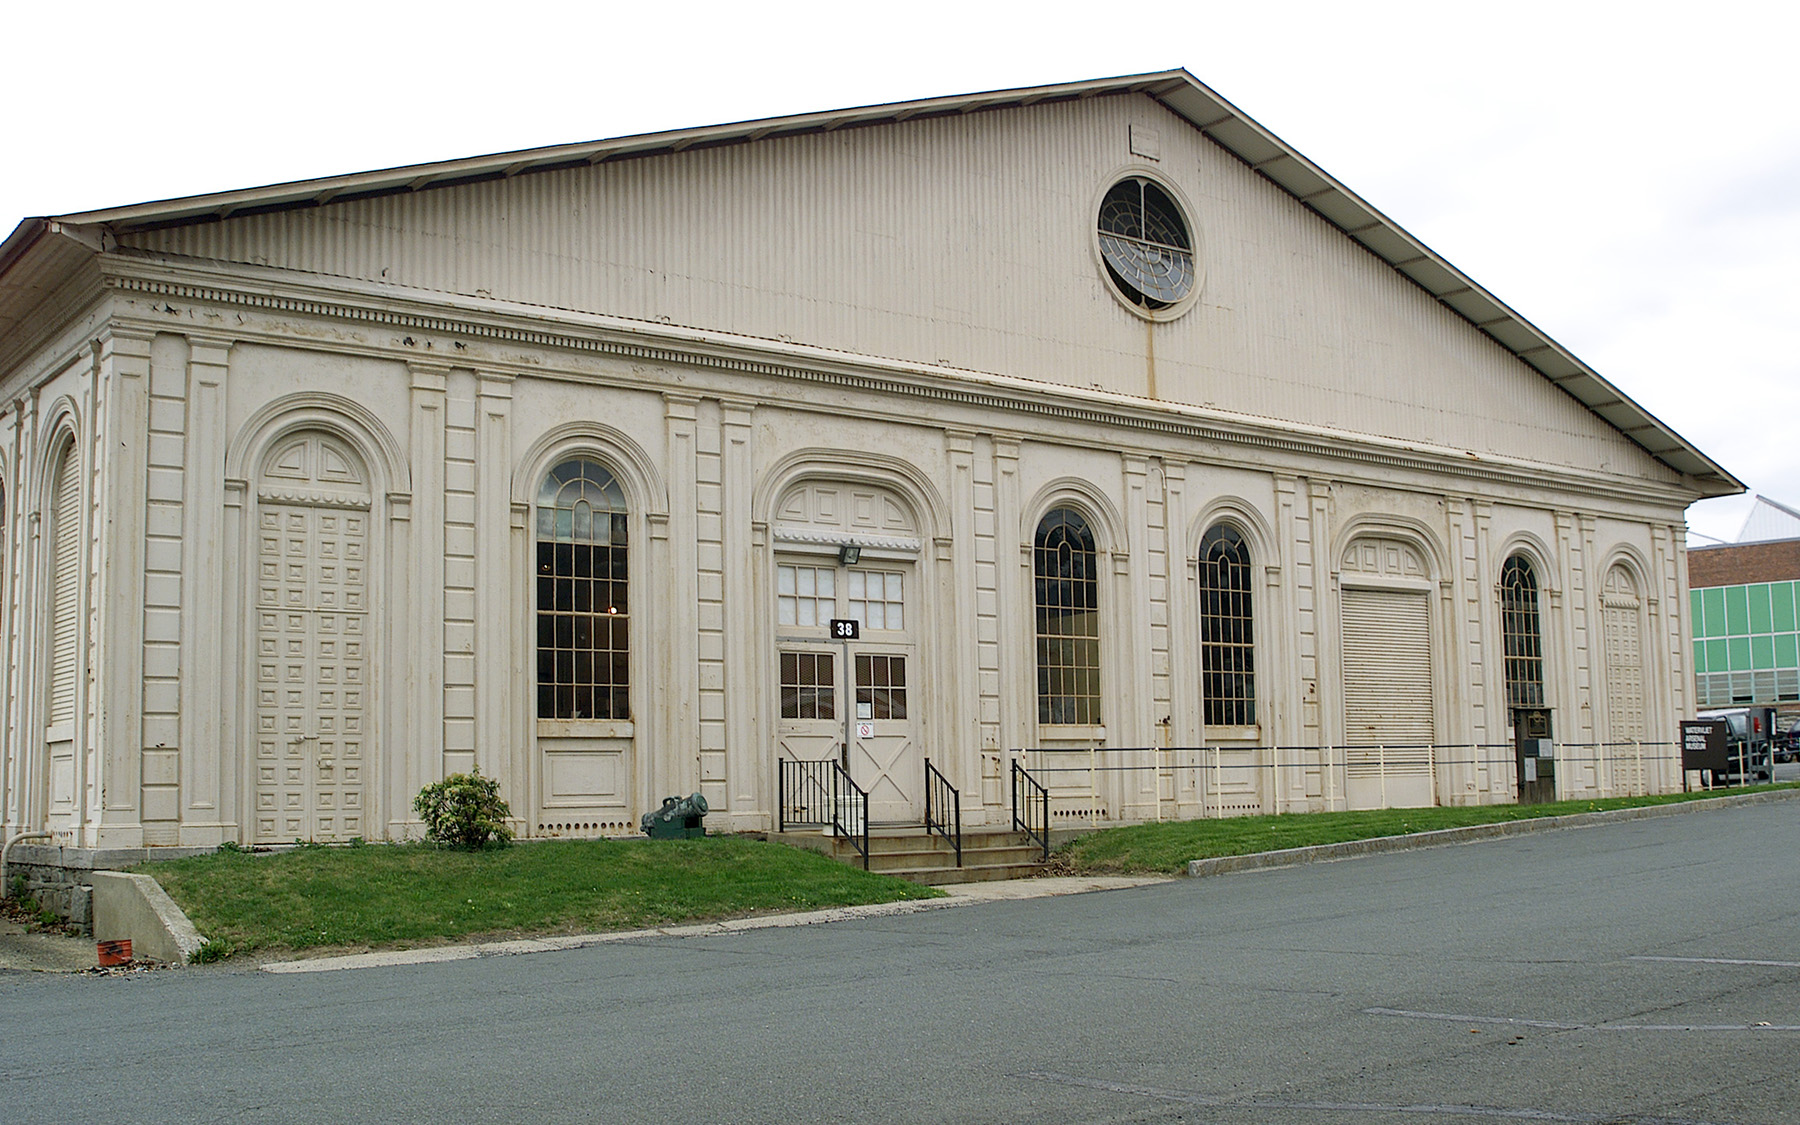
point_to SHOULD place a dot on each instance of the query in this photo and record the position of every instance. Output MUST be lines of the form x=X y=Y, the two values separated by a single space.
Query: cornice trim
x=784 y=533
x=751 y=356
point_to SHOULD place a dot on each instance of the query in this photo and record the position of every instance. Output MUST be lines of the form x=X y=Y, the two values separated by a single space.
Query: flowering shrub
x=464 y=811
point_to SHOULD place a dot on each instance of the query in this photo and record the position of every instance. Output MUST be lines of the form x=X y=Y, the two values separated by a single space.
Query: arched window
x=584 y=621
x=1068 y=620
x=1520 y=634
x=1227 y=650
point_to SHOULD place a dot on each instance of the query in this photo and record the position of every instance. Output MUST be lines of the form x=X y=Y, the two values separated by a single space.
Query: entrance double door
x=857 y=711
x=853 y=702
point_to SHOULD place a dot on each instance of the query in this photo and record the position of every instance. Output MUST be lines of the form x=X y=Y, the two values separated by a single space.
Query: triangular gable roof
x=29 y=262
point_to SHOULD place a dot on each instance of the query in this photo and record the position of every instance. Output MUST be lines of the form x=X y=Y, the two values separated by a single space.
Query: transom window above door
x=808 y=597
x=876 y=599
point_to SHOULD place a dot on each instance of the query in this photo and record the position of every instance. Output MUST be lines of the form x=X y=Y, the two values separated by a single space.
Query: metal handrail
x=940 y=798
x=1029 y=796
x=803 y=793
x=821 y=795
x=850 y=811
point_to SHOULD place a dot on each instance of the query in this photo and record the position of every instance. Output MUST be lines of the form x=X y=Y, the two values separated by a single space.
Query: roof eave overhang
x=503 y=165
x=1315 y=189
x=37 y=259
x=1183 y=94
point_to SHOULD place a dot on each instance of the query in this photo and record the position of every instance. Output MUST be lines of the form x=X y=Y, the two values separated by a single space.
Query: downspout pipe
x=6 y=853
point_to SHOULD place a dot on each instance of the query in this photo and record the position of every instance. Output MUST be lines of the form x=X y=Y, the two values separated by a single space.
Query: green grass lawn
x=1166 y=848
x=396 y=895
x=399 y=895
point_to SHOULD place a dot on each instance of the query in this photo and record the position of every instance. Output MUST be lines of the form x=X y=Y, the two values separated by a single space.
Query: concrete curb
x=1445 y=837
x=578 y=941
x=136 y=907
x=964 y=894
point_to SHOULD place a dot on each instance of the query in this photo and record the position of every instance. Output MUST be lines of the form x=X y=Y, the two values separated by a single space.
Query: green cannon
x=678 y=819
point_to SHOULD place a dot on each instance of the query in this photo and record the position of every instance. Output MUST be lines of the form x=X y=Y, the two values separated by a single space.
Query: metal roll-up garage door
x=1387 y=698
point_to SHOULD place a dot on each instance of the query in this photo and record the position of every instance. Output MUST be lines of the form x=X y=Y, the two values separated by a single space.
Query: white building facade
x=1154 y=447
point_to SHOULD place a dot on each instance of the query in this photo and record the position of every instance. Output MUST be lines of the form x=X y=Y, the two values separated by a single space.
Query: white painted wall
x=744 y=344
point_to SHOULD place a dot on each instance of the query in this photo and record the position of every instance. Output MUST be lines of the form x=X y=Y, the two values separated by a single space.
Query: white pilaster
x=115 y=461
x=416 y=757
x=203 y=746
x=495 y=680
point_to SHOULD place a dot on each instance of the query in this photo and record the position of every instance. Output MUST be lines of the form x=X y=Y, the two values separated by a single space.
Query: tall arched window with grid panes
x=1065 y=566
x=1520 y=634
x=1227 y=632
x=583 y=607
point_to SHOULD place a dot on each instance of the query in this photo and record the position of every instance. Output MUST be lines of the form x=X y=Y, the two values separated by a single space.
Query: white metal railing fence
x=1099 y=784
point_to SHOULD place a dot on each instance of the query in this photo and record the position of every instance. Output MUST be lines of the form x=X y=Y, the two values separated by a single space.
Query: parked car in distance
x=1749 y=743
x=1788 y=748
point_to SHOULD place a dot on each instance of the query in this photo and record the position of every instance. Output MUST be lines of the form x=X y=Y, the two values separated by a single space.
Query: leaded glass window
x=1520 y=634
x=1144 y=241
x=1227 y=649
x=1065 y=565
x=583 y=618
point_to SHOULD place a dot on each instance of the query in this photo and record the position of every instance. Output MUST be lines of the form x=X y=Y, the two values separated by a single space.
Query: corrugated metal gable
x=964 y=241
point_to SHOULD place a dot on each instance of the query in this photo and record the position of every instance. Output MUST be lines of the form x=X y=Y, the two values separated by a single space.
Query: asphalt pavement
x=1645 y=971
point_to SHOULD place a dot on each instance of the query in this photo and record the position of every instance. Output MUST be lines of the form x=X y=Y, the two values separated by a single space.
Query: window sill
x=1250 y=734
x=1072 y=732
x=585 y=728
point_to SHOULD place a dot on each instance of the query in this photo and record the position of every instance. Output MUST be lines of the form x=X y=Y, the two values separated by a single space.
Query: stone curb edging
x=1444 y=837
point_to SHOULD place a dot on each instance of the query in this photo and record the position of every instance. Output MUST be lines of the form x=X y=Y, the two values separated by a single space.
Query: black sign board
x=845 y=629
x=1703 y=744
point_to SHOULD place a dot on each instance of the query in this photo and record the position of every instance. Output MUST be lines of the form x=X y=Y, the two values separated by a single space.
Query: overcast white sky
x=1624 y=175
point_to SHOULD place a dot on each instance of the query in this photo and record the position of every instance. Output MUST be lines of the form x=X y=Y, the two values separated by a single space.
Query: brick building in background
x=1746 y=613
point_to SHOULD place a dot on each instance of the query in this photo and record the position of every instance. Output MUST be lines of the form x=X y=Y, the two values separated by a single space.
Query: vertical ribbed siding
x=65 y=586
x=963 y=240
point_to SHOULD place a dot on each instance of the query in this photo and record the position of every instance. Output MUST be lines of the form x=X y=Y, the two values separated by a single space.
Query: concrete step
x=928 y=858
x=944 y=876
x=911 y=853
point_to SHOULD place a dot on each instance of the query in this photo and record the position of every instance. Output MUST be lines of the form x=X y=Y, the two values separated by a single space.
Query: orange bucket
x=115 y=952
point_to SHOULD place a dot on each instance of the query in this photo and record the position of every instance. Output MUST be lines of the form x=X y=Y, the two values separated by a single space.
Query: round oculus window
x=1145 y=244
